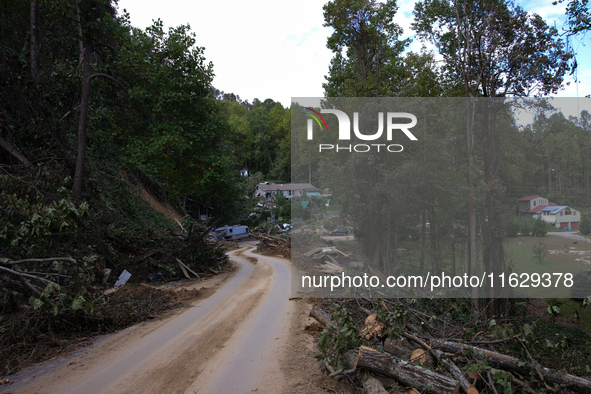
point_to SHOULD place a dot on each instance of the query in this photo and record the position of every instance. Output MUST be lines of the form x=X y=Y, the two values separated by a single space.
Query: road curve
x=573 y=236
x=228 y=343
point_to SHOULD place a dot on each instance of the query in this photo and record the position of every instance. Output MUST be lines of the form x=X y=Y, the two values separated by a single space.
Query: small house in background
x=528 y=203
x=244 y=172
x=288 y=190
x=560 y=216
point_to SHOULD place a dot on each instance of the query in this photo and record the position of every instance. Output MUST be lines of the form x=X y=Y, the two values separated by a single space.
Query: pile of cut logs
x=430 y=368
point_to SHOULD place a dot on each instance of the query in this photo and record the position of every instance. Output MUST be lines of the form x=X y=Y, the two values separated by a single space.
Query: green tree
x=578 y=16
x=492 y=48
x=512 y=227
x=366 y=45
x=182 y=134
x=540 y=228
x=98 y=26
x=540 y=252
x=585 y=224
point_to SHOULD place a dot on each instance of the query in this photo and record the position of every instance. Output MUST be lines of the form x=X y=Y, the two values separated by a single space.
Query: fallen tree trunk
x=574 y=383
x=455 y=371
x=321 y=316
x=450 y=365
x=422 y=379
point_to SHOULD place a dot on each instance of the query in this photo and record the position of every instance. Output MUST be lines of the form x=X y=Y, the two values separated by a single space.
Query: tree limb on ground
x=422 y=379
x=575 y=383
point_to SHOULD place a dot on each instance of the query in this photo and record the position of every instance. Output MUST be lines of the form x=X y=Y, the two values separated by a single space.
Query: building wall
x=563 y=220
x=574 y=217
x=536 y=202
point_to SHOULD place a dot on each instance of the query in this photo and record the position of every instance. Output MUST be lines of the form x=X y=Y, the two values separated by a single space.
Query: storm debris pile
x=393 y=342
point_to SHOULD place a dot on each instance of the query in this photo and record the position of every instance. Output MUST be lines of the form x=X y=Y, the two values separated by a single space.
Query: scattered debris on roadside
x=402 y=345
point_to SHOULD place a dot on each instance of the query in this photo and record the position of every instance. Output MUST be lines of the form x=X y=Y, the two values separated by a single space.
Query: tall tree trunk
x=453 y=256
x=472 y=256
x=388 y=270
x=80 y=42
x=549 y=177
x=423 y=238
x=494 y=260
x=82 y=134
x=33 y=44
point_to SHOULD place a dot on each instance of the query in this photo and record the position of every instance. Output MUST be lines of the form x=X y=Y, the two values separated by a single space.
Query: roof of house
x=527 y=198
x=286 y=186
x=554 y=208
x=539 y=208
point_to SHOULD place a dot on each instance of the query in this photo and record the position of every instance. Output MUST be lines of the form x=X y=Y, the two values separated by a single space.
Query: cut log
x=373 y=386
x=422 y=379
x=451 y=367
x=370 y=319
x=399 y=348
x=419 y=356
x=574 y=383
x=321 y=316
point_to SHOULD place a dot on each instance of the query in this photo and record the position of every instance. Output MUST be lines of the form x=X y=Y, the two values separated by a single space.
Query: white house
x=287 y=190
x=560 y=216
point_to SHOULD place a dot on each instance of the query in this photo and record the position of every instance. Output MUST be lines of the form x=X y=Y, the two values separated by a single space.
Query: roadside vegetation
x=102 y=122
x=113 y=147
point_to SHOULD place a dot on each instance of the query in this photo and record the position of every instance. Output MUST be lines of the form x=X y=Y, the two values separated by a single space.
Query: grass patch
x=520 y=251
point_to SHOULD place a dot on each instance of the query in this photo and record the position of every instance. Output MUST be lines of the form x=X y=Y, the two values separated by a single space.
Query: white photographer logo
x=345 y=131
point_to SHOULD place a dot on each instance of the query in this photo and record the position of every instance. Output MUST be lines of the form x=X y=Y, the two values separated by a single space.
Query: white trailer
x=233 y=232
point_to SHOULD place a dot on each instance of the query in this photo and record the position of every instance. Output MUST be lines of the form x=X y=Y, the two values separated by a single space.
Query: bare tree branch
x=16 y=154
x=12 y=262
x=106 y=76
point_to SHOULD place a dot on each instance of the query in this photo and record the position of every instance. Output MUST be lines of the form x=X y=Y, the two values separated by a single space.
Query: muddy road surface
x=230 y=342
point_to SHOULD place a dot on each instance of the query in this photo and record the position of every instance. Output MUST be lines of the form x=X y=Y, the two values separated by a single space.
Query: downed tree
x=452 y=368
x=422 y=379
x=321 y=316
x=575 y=383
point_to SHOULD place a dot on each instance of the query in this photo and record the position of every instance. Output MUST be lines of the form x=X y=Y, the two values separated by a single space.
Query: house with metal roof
x=560 y=216
x=288 y=190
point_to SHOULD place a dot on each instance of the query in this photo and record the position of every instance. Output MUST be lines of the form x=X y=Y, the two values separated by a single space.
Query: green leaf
x=36 y=302
x=527 y=330
x=78 y=303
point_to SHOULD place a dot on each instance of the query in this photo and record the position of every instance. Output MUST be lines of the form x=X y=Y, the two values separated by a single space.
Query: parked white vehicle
x=233 y=232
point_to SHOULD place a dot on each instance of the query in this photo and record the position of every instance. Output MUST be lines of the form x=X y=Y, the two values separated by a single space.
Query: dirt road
x=573 y=236
x=230 y=342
